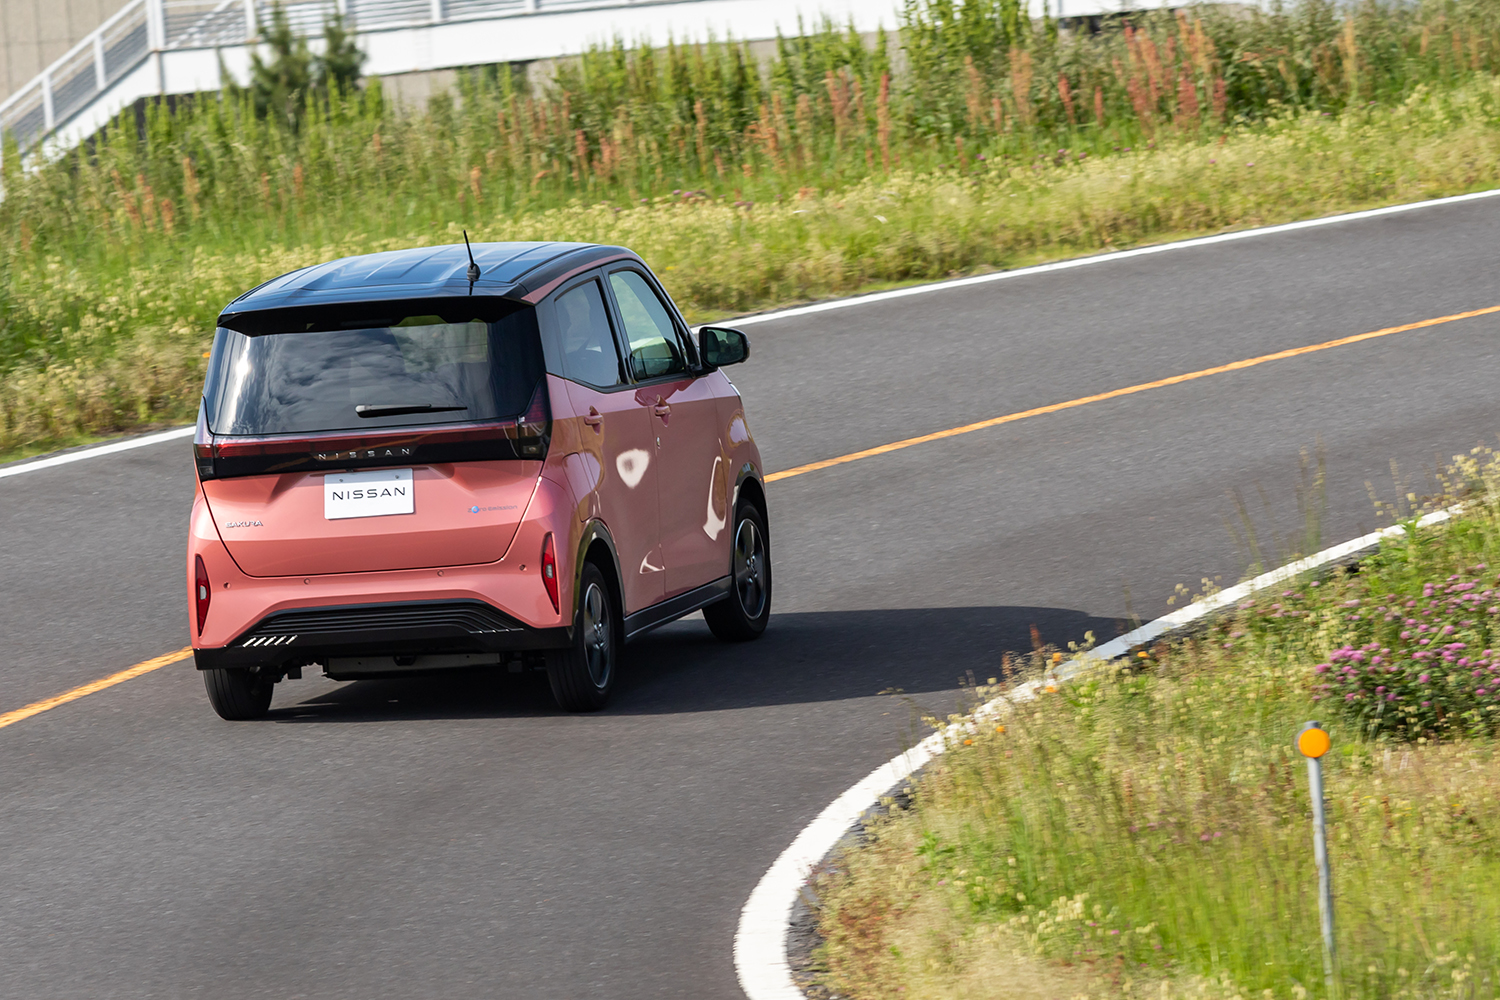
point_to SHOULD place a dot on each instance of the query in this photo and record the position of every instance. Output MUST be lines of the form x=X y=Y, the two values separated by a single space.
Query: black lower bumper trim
x=311 y=635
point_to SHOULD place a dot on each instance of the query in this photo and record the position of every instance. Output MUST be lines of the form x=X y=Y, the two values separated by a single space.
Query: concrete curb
x=760 y=943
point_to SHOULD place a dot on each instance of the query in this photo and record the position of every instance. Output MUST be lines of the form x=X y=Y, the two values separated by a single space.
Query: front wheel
x=743 y=615
x=583 y=674
x=238 y=693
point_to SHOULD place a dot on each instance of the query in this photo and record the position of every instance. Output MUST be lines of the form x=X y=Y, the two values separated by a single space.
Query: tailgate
x=463 y=513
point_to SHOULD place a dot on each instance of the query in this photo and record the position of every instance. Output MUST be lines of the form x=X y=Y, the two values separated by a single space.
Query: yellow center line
x=1011 y=418
x=83 y=690
x=47 y=704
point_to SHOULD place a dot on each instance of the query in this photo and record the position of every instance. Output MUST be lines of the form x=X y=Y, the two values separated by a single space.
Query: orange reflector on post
x=1313 y=742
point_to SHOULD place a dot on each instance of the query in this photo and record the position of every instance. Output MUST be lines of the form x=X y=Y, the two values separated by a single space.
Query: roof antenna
x=473 y=267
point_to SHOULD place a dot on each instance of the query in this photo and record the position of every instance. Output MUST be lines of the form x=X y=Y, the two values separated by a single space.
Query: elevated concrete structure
x=159 y=47
x=33 y=33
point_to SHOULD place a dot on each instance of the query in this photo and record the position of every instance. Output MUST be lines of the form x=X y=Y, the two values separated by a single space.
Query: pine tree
x=338 y=68
x=281 y=85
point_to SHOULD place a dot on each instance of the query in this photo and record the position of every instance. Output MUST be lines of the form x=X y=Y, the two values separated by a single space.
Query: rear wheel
x=238 y=693
x=583 y=674
x=744 y=613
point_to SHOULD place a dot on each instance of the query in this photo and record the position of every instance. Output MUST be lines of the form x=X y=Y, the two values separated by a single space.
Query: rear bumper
x=302 y=636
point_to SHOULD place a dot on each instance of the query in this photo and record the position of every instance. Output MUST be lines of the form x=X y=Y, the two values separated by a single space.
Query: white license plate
x=368 y=494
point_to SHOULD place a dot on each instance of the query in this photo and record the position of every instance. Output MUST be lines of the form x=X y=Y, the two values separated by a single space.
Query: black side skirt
x=674 y=608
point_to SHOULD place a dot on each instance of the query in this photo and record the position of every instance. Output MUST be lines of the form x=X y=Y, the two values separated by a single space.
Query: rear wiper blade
x=396 y=409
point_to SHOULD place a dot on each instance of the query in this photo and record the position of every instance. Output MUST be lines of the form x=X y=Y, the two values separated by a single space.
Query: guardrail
x=144 y=29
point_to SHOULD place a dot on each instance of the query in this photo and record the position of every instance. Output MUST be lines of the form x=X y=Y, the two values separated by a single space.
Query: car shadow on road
x=805 y=657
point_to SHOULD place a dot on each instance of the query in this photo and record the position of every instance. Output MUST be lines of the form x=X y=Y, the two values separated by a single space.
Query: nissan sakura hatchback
x=419 y=460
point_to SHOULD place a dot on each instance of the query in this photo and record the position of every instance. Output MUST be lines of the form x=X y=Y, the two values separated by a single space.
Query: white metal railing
x=143 y=29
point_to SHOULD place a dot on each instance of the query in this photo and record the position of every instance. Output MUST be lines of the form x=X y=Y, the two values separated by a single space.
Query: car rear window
x=305 y=372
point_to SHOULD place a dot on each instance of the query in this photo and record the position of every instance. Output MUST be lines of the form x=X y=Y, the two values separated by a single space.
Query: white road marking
x=1102 y=258
x=15 y=469
x=145 y=440
x=760 y=957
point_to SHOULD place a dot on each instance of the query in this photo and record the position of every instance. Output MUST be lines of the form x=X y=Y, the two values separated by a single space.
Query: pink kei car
x=420 y=460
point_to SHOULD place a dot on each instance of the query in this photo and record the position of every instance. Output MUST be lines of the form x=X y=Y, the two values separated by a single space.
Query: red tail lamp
x=202 y=592
x=549 y=570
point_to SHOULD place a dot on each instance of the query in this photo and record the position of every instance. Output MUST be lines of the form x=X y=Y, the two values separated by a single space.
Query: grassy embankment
x=983 y=140
x=1146 y=830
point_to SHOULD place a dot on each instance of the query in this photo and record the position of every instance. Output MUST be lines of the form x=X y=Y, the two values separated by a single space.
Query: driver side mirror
x=719 y=346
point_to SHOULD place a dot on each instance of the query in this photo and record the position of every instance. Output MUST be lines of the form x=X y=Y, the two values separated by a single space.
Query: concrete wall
x=35 y=32
x=415 y=91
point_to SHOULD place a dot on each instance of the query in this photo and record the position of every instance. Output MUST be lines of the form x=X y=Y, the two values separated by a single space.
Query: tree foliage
x=282 y=83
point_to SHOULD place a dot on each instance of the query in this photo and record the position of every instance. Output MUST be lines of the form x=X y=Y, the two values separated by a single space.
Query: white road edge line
x=15 y=469
x=145 y=440
x=1104 y=258
x=760 y=943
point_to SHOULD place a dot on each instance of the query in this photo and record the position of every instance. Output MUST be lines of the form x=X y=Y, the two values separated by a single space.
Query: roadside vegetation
x=1145 y=830
x=970 y=137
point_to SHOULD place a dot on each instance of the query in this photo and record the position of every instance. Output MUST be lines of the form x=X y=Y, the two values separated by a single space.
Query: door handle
x=593 y=419
x=662 y=409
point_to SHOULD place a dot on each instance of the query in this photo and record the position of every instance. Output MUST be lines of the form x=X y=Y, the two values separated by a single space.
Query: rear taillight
x=202 y=591
x=549 y=569
x=203 y=446
x=534 y=427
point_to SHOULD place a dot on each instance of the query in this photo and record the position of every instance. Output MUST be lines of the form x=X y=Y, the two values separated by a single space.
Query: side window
x=588 y=346
x=654 y=347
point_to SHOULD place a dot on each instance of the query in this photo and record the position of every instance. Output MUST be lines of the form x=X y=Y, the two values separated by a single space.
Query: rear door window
x=655 y=348
x=590 y=354
x=401 y=370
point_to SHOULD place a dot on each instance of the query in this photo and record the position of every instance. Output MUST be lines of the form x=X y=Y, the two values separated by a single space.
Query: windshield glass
x=395 y=371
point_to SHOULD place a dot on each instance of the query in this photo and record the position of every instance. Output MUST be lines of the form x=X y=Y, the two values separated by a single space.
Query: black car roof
x=507 y=270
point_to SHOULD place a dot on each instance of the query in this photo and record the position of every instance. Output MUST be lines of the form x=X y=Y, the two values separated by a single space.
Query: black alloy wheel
x=583 y=674
x=743 y=615
x=239 y=693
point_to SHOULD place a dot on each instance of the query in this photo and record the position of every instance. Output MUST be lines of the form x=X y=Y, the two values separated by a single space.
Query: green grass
x=1145 y=831
x=981 y=140
x=106 y=345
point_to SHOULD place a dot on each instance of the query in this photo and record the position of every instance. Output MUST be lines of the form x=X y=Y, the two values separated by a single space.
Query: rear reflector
x=549 y=569
x=202 y=592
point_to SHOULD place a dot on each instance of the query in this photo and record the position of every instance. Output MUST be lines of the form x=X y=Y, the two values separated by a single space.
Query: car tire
x=743 y=615
x=583 y=674
x=238 y=694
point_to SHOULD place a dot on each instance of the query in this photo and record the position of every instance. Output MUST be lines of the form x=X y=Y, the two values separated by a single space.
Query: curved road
x=462 y=838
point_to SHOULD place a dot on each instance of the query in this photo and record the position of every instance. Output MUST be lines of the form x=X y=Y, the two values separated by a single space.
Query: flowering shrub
x=1419 y=666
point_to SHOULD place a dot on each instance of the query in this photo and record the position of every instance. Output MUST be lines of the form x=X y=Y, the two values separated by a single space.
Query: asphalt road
x=462 y=838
